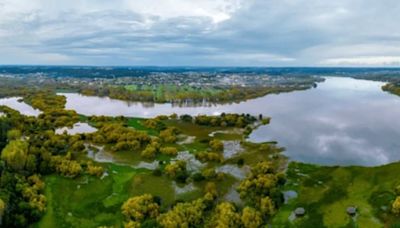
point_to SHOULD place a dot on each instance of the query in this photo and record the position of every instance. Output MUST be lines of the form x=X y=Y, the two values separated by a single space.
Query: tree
x=186 y=118
x=155 y=123
x=173 y=116
x=267 y=206
x=2 y=210
x=14 y=134
x=189 y=214
x=31 y=189
x=149 y=152
x=211 y=191
x=139 y=208
x=396 y=206
x=15 y=154
x=240 y=122
x=209 y=173
x=65 y=166
x=397 y=190
x=132 y=224
x=209 y=156
x=169 y=135
x=5 y=125
x=31 y=163
x=225 y=216
x=261 y=187
x=216 y=145
x=251 y=218
x=173 y=169
x=169 y=150
x=94 y=170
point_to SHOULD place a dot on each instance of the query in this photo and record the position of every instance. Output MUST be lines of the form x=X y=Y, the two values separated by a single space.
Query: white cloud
x=217 y=10
x=357 y=146
x=364 y=61
x=252 y=59
x=206 y=32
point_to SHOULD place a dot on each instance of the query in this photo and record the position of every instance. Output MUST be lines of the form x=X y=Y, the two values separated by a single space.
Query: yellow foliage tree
x=15 y=154
x=216 y=145
x=225 y=216
x=132 y=224
x=31 y=191
x=396 y=206
x=184 y=215
x=211 y=191
x=209 y=156
x=168 y=135
x=267 y=206
x=94 y=170
x=139 y=208
x=14 y=134
x=251 y=218
x=149 y=152
x=65 y=166
x=260 y=187
x=173 y=169
x=169 y=150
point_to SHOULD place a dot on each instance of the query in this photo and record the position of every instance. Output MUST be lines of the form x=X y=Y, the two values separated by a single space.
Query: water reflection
x=78 y=128
x=343 y=121
x=16 y=104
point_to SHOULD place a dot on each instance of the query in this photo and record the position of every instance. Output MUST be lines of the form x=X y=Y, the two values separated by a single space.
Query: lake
x=23 y=108
x=343 y=121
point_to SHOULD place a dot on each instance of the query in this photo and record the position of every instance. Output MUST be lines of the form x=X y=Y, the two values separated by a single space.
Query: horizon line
x=192 y=66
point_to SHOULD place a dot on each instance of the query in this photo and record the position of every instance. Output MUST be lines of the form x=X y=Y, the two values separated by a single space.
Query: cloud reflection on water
x=342 y=122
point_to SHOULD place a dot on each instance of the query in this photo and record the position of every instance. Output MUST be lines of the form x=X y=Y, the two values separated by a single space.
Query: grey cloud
x=261 y=32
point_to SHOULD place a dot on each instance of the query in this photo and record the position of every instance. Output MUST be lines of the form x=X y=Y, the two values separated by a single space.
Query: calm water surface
x=343 y=121
x=78 y=128
x=22 y=107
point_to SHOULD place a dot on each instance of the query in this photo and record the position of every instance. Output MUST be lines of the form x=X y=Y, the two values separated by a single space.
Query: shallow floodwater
x=22 y=107
x=78 y=128
x=343 y=121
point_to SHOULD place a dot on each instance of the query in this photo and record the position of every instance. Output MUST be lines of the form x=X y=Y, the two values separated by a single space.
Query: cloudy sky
x=201 y=32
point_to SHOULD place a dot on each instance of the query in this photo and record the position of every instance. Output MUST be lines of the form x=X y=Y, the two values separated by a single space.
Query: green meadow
x=326 y=193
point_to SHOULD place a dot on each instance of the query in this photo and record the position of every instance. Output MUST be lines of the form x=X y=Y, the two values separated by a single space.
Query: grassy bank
x=326 y=192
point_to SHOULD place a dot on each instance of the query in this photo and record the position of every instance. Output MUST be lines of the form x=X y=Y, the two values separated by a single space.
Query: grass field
x=137 y=124
x=326 y=192
x=93 y=202
x=86 y=201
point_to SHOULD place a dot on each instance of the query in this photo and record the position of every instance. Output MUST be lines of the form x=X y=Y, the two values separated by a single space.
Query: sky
x=201 y=33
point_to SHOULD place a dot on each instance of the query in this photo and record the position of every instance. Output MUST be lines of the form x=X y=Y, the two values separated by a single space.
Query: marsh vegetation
x=64 y=168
